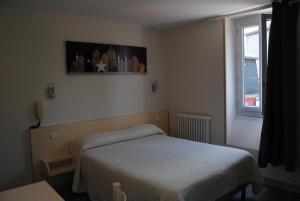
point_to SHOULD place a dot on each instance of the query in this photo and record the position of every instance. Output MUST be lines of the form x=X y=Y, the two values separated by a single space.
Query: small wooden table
x=40 y=191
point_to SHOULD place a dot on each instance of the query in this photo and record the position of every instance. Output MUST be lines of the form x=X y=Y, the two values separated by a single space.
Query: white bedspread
x=155 y=167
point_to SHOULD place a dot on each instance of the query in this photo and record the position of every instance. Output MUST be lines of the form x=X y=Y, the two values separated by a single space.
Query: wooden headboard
x=43 y=147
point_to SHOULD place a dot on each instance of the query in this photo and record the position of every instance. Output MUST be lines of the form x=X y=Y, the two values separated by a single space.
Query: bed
x=152 y=166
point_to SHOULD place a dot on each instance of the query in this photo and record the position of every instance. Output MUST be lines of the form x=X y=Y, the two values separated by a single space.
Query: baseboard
x=282 y=185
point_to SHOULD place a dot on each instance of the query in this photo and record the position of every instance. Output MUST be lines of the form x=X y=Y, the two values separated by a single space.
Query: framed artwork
x=97 y=58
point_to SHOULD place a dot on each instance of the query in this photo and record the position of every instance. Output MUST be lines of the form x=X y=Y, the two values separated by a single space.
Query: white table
x=40 y=191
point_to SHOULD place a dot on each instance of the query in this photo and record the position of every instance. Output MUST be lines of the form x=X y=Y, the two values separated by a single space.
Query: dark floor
x=68 y=195
x=268 y=194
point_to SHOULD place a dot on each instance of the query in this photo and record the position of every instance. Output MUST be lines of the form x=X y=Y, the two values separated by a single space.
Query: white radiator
x=193 y=127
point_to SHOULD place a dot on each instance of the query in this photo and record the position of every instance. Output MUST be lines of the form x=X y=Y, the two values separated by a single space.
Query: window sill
x=249 y=113
x=239 y=116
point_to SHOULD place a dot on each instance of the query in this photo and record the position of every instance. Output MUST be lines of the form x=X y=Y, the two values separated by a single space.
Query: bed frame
x=43 y=148
x=241 y=189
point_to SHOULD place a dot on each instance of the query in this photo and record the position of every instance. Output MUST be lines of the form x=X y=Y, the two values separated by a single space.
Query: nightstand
x=58 y=171
x=40 y=191
x=56 y=166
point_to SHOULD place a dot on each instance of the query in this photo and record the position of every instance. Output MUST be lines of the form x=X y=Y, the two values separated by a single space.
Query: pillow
x=111 y=137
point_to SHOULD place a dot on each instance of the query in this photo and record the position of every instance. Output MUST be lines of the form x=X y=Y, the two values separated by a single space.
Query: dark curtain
x=279 y=131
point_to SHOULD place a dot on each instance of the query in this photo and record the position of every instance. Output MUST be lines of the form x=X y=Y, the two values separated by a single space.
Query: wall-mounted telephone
x=38 y=113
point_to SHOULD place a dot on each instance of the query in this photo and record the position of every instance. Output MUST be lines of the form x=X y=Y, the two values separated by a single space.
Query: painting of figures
x=104 y=58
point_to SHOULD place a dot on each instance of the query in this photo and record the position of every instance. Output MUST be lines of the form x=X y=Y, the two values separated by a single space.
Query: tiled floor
x=268 y=194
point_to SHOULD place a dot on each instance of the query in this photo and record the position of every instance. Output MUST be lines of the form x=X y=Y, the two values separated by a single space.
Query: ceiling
x=158 y=13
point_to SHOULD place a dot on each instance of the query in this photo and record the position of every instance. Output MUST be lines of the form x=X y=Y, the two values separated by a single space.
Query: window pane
x=251 y=70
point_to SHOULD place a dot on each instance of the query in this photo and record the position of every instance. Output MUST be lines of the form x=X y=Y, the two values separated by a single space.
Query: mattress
x=154 y=167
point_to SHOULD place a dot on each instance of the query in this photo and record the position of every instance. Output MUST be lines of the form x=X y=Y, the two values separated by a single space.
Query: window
x=252 y=37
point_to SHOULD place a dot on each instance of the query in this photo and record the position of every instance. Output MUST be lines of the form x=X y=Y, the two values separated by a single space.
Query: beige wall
x=195 y=65
x=32 y=54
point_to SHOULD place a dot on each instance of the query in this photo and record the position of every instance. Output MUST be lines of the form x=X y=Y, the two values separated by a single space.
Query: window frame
x=240 y=24
x=264 y=19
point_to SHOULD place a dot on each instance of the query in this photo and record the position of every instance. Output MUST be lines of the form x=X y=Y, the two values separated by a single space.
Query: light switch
x=54 y=136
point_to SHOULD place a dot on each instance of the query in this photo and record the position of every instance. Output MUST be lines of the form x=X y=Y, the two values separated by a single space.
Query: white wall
x=195 y=73
x=245 y=132
x=32 y=54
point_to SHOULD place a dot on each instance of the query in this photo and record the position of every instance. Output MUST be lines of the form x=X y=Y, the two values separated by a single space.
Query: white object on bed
x=154 y=167
x=118 y=195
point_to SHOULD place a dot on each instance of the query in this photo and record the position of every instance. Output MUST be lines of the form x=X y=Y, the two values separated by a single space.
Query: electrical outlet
x=157 y=118
x=53 y=136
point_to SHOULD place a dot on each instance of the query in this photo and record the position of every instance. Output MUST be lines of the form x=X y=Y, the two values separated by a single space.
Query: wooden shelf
x=56 y=166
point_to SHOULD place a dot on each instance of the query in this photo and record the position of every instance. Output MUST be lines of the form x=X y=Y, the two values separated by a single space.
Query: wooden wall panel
x=43 y=147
